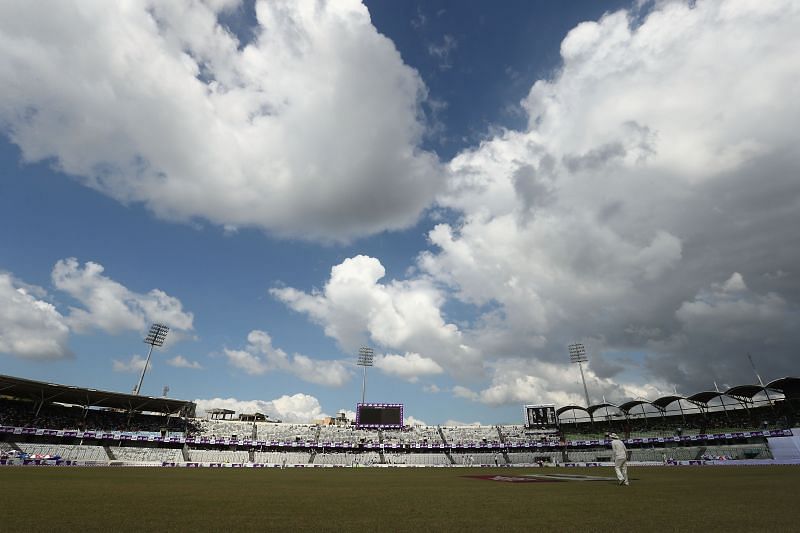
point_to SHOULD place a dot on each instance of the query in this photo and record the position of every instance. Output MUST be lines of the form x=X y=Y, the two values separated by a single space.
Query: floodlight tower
x=156 y=337
x=577 y=354
x=365 y=358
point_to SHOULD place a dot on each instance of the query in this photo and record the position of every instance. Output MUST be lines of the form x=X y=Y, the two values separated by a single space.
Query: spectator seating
x=219 y=456
x=277 y=458
x=146 y=455
x=470 y=435
x=66 y=452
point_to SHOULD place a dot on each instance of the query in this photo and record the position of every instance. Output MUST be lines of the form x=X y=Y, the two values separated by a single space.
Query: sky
x=466 y=187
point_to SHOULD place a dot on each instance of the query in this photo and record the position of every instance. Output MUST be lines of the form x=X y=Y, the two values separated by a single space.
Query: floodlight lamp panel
x=157 y=335
x=577 y=353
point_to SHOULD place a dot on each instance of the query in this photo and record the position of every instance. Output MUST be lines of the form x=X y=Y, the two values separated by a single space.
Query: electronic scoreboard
x=379 y=415
x=541 y=416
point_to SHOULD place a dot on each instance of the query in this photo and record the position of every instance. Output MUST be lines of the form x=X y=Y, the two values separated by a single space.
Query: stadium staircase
x=441 y=434
x=500 y=434
x=313 y=454
x=6 y=446
x=109 y=453
x=503 y=440
x=450 y=457
x=380 y=450
x=700 y=452
x=185 y=452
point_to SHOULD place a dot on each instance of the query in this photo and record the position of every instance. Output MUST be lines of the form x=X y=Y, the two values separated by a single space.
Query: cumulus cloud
x=409 y=366
x=519 y=381
x=452 y=422
x=180 y=361
x=411 y=421
x=311 y=129
x=135 y=364
x=30 y=327
x=355 y=307
x=657 y=160
x=297 y=408
x=260 y=357
x=110 y=306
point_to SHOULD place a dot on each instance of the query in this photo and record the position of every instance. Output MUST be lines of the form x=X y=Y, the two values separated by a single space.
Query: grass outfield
x=732 y=499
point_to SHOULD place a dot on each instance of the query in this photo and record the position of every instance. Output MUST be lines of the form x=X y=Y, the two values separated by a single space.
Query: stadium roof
x=745 y=391
x=627 y=406
x=593 y=408
x=789 y=386
x=704 y=397
x=664 y=401
x=570 y=408
x=40 y=391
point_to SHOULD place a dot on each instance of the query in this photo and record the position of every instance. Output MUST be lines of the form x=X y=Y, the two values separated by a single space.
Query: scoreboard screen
x=379 y=415
x=541 y=416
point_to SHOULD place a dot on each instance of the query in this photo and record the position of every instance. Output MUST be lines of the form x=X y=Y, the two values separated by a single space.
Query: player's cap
x=613 y=436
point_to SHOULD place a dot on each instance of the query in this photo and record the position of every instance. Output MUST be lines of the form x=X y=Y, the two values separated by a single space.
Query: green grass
x=413 y=499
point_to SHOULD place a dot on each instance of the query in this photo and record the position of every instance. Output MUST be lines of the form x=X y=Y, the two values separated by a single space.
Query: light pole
x=365 y=358
x=577 y=354
x=156 y=337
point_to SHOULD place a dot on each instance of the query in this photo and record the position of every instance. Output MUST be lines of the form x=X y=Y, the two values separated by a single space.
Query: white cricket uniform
x=620 y=460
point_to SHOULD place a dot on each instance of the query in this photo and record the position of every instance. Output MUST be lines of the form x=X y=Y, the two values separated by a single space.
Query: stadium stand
x=418 y=458
x=536 y=457
x=347 y=458
x=67 y=452
x=146 y=455
x=346 y=435
x=277 y=458
x=470 y=435
x=269 y=432
x=219 y=456
x=478 y=458
x=744 y=423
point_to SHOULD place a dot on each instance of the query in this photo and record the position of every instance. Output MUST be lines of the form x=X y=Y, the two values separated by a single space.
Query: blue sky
x=467 y=187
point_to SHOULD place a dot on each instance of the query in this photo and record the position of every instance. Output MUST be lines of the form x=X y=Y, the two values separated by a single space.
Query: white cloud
x=297 y=408
x=460 y=391
x=520 y=381
x=180 y=361
x=409 y=366
x=658 y=159
x=30 y=327
x=244 y=360
x=651 y=168
x=134 y=365
x=411 y=421
x=311 y=129
x=110 y=306
x=452 y=422
x=260 y=357
x=354 y=307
